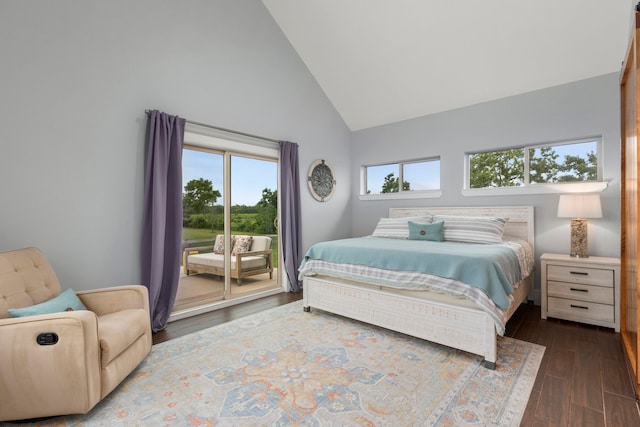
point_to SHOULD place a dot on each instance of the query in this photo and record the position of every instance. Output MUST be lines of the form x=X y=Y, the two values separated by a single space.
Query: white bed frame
x=446 y=320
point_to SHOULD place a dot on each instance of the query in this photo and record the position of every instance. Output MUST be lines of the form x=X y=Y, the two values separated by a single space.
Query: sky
x=420 y=175
x=248 y=176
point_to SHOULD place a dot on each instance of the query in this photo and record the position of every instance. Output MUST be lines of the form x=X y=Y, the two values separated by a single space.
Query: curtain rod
x=226 y=130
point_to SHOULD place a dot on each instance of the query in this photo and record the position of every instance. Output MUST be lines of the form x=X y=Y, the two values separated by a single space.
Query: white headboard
x=519 y=223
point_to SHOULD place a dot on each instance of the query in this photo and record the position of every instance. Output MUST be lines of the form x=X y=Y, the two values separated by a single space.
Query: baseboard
x=182 y=314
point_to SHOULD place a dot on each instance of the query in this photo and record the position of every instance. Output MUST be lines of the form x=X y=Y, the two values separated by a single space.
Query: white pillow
x=472 y=229
x=397 y=228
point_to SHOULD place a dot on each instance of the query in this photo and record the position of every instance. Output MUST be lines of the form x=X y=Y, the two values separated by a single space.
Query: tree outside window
x=415 y=175
x=558 y=163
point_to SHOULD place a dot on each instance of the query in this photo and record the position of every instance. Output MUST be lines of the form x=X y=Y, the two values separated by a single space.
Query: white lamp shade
x=579 y=206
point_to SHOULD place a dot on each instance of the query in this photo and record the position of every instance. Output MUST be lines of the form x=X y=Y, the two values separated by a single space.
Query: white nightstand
x=584 y=290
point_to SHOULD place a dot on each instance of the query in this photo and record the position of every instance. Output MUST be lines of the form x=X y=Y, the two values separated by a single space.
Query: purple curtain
x=290 y=217
x=162 y=216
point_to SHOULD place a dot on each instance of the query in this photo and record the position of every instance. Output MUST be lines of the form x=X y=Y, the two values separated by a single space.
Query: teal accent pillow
x=66 y=301
x=433 y=231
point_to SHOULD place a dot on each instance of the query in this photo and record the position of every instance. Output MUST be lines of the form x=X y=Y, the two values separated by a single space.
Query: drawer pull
x=580 y=273
x=579 y=290
x=579 y=306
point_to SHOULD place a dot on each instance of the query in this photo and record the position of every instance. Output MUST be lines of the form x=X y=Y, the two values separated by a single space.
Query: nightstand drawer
x=577 y=310
x=576 y=291
x=584 y=275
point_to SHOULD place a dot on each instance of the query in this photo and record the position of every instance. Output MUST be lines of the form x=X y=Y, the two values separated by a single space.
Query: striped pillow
x=472 y=229
x=397 y=228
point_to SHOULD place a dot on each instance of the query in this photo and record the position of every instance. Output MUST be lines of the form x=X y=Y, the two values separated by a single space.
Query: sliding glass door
x=230 y=235
x=253 y=213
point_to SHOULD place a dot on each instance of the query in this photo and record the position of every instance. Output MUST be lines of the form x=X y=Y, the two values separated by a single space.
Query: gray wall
x=75 y=79
x=580 y=109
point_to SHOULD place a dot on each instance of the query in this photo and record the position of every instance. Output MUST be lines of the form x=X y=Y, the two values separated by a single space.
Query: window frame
x=539 y=188
x=401 y=194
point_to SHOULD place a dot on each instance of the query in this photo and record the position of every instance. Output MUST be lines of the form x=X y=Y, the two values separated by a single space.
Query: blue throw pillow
x=433 y=231
x=66 y=301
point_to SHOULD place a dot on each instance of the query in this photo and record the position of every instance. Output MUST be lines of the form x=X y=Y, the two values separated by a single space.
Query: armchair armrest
x=266 y=252
x=52 y=372
x=188 y=249
x=111 y=300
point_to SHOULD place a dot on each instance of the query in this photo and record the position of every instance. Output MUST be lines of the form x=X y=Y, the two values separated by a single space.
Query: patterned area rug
x=286 y=367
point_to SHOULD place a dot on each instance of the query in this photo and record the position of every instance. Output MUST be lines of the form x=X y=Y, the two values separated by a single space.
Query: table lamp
x=579 y=207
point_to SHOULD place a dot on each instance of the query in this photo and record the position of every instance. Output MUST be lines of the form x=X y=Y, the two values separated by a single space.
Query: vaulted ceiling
x=383 y=61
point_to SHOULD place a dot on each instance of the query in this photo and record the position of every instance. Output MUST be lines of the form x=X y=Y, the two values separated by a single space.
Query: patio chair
x=247 y=260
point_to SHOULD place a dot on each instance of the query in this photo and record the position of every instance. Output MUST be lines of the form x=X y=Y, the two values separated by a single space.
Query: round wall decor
x=321 y=181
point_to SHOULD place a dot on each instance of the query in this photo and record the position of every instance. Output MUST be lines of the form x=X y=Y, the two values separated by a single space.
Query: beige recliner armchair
x=65 y=362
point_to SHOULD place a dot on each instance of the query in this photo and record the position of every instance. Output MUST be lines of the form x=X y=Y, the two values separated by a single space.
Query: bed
x=426 y=311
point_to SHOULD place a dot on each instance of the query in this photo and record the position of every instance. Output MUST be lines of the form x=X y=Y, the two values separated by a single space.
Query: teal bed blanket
x=492 y=268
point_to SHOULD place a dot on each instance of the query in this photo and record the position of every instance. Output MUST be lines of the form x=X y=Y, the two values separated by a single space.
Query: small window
x=563 y=162
x=415 y=175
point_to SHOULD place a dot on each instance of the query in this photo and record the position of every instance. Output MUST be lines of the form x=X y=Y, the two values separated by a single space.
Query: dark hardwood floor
x=582 y=381
x=192 y=324
x=583 y=378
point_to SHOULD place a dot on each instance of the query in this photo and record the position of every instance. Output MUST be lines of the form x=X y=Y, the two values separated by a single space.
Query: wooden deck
x=201 y=289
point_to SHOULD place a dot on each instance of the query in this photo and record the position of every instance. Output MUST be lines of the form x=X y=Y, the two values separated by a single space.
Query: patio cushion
x=216 y=260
